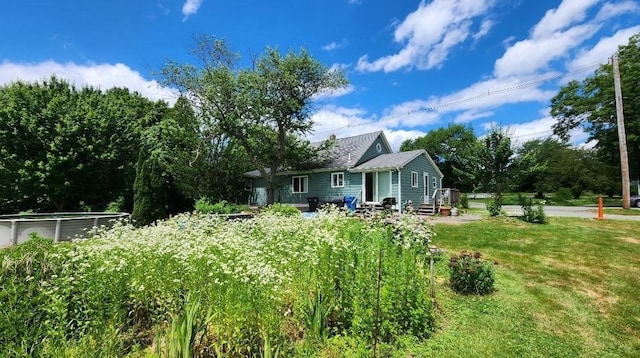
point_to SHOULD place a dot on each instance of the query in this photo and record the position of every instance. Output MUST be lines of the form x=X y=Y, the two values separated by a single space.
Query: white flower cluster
x=265 y=251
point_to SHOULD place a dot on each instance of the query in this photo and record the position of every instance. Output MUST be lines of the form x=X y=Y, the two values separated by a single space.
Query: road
x=568 y=211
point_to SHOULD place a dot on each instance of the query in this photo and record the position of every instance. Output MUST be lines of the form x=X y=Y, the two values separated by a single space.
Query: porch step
x=427 y=209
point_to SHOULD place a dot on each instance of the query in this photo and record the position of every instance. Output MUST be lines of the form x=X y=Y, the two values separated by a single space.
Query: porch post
x=399 y=191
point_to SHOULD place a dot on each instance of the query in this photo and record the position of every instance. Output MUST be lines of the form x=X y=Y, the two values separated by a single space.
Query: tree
x=489 y=164
x=534 y=161
x=64 y=148
x=496 y=157
x=590 y=105
x=447 y=147
x=264 y=109
x=548 y=165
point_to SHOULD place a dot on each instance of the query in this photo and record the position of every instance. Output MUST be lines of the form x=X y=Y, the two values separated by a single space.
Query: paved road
x=569 y=211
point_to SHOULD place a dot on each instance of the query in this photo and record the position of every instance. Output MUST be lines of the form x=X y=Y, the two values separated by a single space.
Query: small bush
x=531 y=214
x=280 y=209
x=494 y=206
x=562 y=195
x=203 y=206
x=464 y=201
x=470 y=275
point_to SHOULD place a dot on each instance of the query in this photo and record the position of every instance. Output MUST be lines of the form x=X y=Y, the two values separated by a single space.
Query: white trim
x=377 y=191
x=425 y=188
x=390 y=183
x=414 y=174
x=339 y=175
x=435 y=182
x=400 y=191
x=305 y=184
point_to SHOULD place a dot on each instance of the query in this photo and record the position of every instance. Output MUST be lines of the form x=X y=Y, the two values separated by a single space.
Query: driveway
x=590 y=212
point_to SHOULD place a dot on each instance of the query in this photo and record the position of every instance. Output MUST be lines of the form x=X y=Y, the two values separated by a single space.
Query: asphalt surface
x=567 y=211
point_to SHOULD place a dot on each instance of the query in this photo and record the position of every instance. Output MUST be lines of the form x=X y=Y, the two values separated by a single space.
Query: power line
x=516 y=87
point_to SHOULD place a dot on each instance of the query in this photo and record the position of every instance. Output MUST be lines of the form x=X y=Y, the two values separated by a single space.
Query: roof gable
x=351 y=151
x=395 y=161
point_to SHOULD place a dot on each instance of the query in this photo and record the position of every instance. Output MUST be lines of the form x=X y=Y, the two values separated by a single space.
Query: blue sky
x=413 y=66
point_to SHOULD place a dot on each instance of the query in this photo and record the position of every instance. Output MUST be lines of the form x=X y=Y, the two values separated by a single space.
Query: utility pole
x=622 y=137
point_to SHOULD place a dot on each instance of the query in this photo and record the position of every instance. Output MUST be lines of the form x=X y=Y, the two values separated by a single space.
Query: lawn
x=565 y=289
x=329 y=287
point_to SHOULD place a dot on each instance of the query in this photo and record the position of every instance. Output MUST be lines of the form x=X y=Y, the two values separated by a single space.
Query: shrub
x=494 y=206
x=562 y=195
x=531 y=214
x=464 y=201
x=204 y=206
x=470 y=275
x=280 y=209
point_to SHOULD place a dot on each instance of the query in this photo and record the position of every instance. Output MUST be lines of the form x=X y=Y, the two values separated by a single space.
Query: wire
x=455 y=103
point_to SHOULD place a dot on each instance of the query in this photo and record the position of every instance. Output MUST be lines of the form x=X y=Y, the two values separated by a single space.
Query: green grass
x=569 y=288
x=620 y=211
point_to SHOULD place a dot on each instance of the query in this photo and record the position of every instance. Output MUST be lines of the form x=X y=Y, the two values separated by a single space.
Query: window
x=414 y=179
x=248 y=185
x=337 y=180
x=435 y=182
x=299 y=184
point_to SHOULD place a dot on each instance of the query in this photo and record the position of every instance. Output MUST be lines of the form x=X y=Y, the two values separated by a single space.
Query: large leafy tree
x=489 y=163
x=66 y=148
x=590 y=104
x=548 y=165
x=264 y=109
x=448 y=148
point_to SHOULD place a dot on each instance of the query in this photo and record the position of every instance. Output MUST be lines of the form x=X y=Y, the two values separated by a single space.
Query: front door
x=369 y=187
x=426 y=186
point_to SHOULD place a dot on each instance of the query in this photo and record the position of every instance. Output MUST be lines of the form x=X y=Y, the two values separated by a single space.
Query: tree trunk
x=270 y=194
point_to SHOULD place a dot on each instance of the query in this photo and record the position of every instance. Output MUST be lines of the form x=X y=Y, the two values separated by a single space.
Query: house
x=362 y=166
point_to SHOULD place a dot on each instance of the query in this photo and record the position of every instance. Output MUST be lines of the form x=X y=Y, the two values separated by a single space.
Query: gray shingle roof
x=389 y=161
x=346 y=152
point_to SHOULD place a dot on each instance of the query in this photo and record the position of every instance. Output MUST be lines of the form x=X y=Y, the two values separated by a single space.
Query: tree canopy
x=264 y=109
x=447 y=147
x=590 y=105
x=65 y=148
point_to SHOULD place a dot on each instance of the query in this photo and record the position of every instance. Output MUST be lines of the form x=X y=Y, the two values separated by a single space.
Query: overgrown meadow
x=197 y=285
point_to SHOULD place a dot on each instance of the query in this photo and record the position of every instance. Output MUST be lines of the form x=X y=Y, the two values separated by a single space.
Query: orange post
x=600 y=209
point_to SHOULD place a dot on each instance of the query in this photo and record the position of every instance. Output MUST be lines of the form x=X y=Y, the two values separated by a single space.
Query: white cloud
x=485 y=27
x=535 y=129
x=567 y=13
x=534 y=54
x=334 y=93
x=345 y=122
x=610 y=10
x=190 y=7
x=335 y=45
x=518 y=75
x=603 y=50
x=470 y=115
x=103 y=76
x=429 y=33
x=480 y=96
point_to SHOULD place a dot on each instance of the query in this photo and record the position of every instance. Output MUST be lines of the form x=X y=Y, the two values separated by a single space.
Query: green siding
x=420 y=164
x=372 y=152
x=319 y=185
